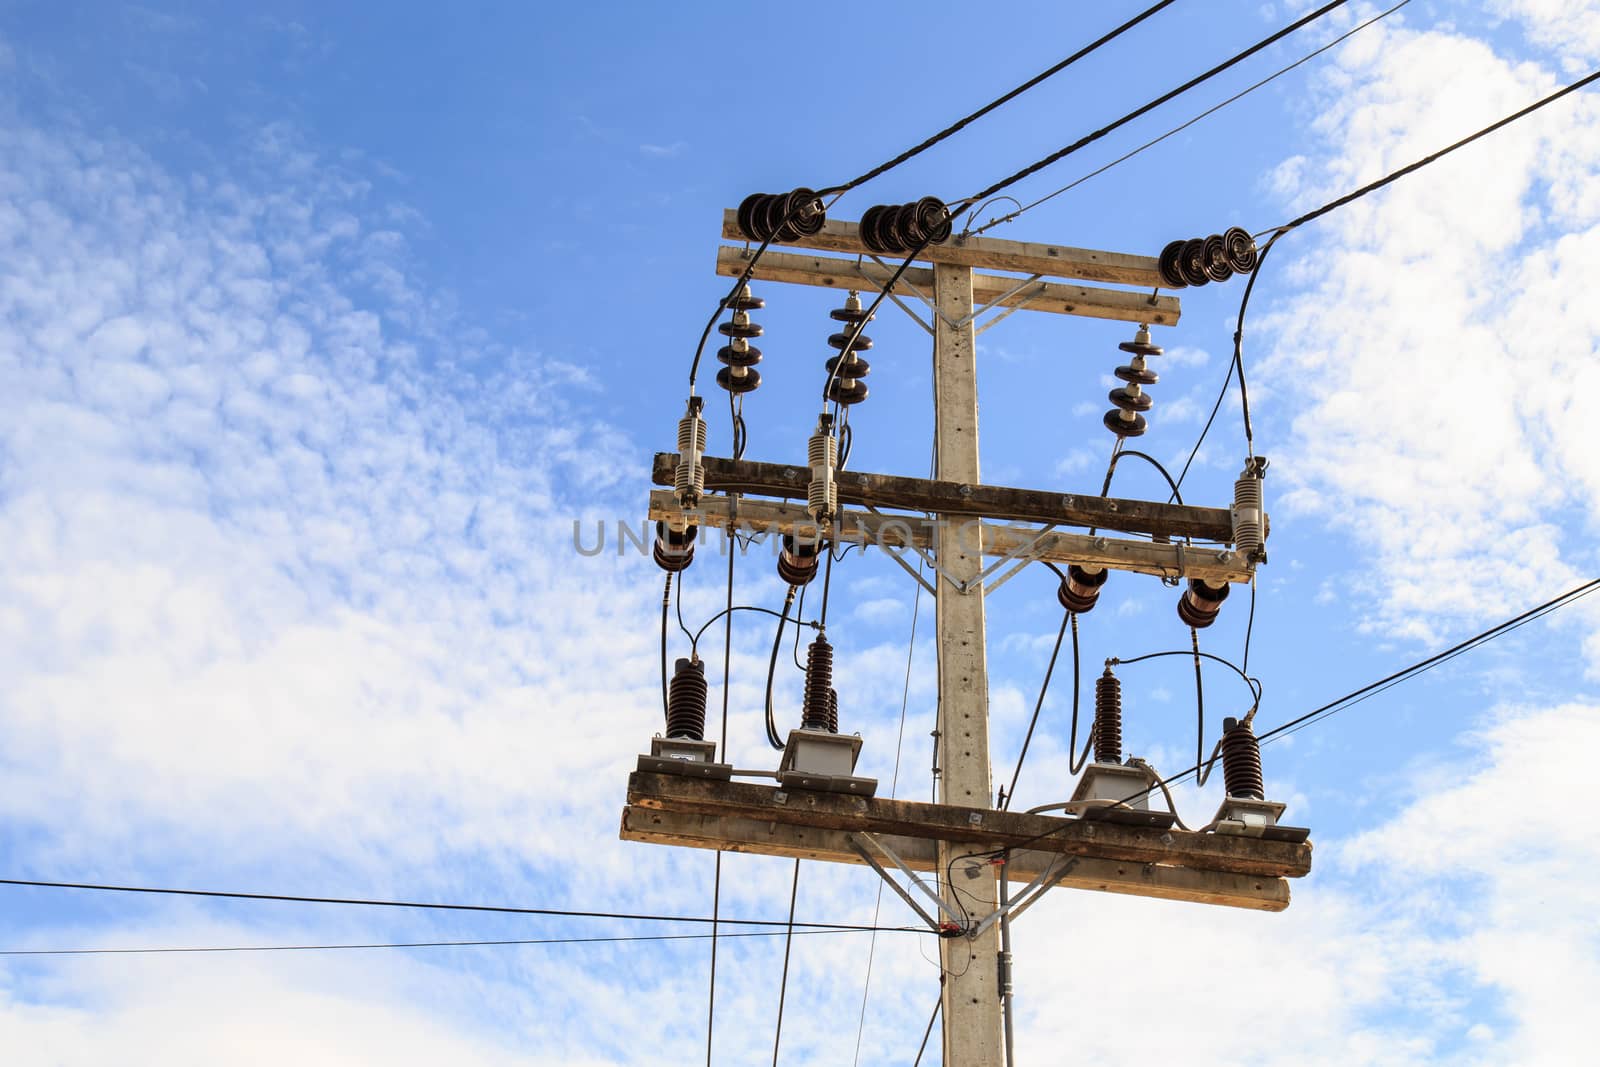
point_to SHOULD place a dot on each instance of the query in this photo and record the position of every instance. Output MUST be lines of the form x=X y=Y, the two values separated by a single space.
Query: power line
x=1354 y=697
x=961 y=124
x=1333 y=707
x=749 y=269
x=894 y=785
x=1440 y=154
x=1237 y=363
x=398 y=944
x=1060 y=154
x=788 y=943
x=1207 y=113
x=500 y=909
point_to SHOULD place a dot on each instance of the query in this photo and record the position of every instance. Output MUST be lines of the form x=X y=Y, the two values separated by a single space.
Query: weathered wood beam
x=765 y=838
x=951 y=498
x=979 y=826
x=992 y=253
x=899 y=531
x=988 y=290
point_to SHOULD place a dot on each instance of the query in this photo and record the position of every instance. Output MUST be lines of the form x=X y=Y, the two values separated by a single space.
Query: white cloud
x=663 y=151
x=1424 y=343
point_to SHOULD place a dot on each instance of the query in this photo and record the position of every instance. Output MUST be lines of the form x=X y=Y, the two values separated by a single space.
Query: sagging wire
x=1316 y=213
x=1353 y=697
x=741 y=435
x=743 y=607
x=1087 y=139
x=797 y=205
x=894 y=785
x=666 y=601
x=788 y=943
x=1069 y=620
x=960 y=124
x=1023 y=208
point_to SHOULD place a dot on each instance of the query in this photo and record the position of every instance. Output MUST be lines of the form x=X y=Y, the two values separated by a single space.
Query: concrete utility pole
x=972 y=1021
x=833 y=817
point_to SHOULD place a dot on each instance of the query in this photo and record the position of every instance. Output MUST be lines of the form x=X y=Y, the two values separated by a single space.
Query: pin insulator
x=1200 y=602
x=1080 y=589
x=674 y=549
x=797 y=562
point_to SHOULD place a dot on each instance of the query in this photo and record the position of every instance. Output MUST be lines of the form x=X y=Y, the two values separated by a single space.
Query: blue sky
x=319 y=329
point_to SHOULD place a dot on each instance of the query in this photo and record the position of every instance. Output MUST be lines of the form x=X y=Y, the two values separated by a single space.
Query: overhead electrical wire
x=894 y=785
x=955 y=127
x=1333 y=707
x=960 y=206
x=1068 y=618
x=1088 y=139
x=498 y=909
x=204 y=949
x=1207 y=113
x=1236 y=365
x=1351 y=698
x=1440 y=154
x=962 y=123
x=716 y=885
x=788 y=943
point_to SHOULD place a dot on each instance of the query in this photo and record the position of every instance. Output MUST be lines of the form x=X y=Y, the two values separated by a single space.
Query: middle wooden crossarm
x=950 y=498
x=987 y=828
x=895 y=530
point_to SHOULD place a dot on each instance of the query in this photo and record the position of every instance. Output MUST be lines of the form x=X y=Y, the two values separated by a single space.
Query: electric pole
x=1111 y=839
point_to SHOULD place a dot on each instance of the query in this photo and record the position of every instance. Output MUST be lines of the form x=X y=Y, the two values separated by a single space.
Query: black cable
x=402 y=944
x=1358 y=695
x=749 y=270
x=1117 y=457
x=666 y=601
x=1249 y=626
x=1044 y=688
x=1227 y=380
x=783 y=985
x=1441 y=153
x=1279 y=231
x=711 y=988
x=1207 y=113
x=694 y=640
x=681 y=624
x=1199 y=700
x=1077 y=690
x=799 y=612
x=1490 y=634
x=1056 y=156
x=741 y=436
x=929 y=1030
x=716 y=892
x=985 y=109
x=1253 y=683
x=773 y=738
x=498 y=909
x=894 y=785
x=827 y=580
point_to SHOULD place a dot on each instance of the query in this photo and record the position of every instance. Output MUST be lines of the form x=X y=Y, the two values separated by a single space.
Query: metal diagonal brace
x=1021 y=556
x=1023 y=900
x=854 y=841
